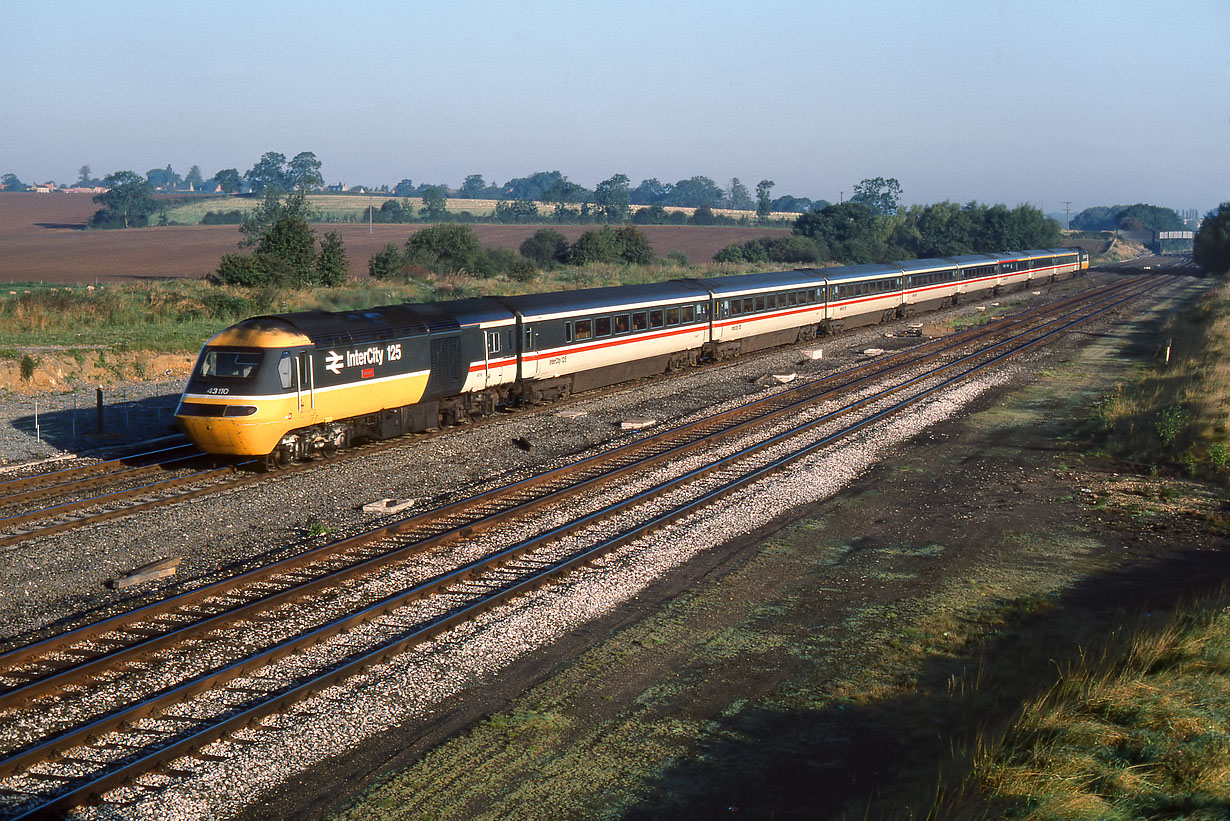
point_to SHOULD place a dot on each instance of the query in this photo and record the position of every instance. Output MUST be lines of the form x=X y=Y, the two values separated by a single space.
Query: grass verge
x=1172 y=412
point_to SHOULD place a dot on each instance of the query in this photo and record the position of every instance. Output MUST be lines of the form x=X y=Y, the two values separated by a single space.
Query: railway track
x=79 y=672
x=88 y=495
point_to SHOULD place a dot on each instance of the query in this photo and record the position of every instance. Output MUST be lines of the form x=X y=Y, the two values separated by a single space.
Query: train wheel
x=278 y=459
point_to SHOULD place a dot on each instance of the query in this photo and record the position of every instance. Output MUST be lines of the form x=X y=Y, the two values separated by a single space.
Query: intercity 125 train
x=287 y=386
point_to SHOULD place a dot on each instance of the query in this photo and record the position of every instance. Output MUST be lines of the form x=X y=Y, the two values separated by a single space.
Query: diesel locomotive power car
x=286 y=386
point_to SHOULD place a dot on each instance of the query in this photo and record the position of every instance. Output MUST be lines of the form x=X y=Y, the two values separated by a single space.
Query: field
x=42 y=239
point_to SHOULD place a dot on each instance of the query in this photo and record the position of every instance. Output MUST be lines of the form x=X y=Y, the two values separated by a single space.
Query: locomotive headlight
x=239 y=410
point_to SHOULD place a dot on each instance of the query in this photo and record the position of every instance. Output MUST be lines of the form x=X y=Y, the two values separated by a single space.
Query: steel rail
x=602 y=475
x=337 y=672
x=24 y=655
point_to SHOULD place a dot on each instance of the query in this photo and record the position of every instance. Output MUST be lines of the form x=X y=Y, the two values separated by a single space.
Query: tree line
x=855 y=232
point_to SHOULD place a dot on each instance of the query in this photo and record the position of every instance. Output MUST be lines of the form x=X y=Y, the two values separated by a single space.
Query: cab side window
x=285 y=372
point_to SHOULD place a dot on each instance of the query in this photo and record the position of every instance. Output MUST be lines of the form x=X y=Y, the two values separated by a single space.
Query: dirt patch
x=41 y=240
x=57 y=371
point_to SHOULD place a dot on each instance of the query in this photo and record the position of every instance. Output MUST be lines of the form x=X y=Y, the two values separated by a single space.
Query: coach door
x=528 y=348
x=305 y=384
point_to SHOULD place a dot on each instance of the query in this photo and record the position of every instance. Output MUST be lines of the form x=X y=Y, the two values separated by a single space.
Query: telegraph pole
x=1067 y=213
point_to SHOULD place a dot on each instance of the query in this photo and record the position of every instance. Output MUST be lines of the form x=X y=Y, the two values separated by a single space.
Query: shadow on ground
x=825 y=763
x=60 y=424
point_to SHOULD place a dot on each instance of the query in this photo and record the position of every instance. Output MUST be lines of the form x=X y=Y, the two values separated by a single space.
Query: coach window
x=640 y=321
x=702 y=311
x=655 y=318
x=792 y=299
x=749 y=305
x=284 y=370
x=568 y=331
x=602 y=326
x=760 y=306
x=621 y=324
x=689 y=314
x=736 y=307
x=493 y=341
x=584 y=328
x=672 y=316
x=811 y=295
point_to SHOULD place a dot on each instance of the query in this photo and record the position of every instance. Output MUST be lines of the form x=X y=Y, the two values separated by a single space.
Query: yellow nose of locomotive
x=241 y=399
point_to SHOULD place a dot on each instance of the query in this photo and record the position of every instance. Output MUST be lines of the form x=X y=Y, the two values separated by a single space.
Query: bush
x=445 y=249
x=522 y=271
x=27 y=368
x=545 y=246
x=788 y=249
x=610 y=245
x=633 y=246
x=225 y=306
x=331 y=264
x=385 y=263
x=222 y=218
x=496 y=261
x=240 y=269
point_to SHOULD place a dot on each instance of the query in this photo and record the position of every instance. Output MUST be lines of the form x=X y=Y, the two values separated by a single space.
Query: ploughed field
x=42 y=238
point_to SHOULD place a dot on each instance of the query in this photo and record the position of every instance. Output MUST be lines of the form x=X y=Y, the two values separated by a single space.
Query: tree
x=633 y=246
x=611 y=196
x=446 y=248
x=434 y=203
x=11 y=183
x=653 y=215
x=229 y=180
x=303 y=172
x=650 y=192
x=797 y=205
x=405 y=188
x=532 y=187
x=516 y=211
x=764 y=205
x=564 y=190
x=473 y=188
x=848 y=230
x=703 y=215
x=545 y=246
x=194 y=178
x=738 y=197
x=1097 y=218
x=609 y=245
x=1142 y=217
x=285 y=248
x=1211 y=246
x=331 y=262
x=128 y=201
x=163 y=179
x=257 y=222
x=384 y=263
x=83 y=176
x=944 y=229
x=881 y=196
x=695 y=192
x=269 y=173
x=594 y=246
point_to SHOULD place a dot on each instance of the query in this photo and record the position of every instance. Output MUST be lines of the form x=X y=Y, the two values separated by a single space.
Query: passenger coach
x=287 y=386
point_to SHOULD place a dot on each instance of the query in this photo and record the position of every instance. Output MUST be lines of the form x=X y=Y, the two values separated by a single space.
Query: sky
x=1000 y=101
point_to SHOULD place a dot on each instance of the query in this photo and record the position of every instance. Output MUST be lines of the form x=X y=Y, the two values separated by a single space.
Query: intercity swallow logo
x=333 y=362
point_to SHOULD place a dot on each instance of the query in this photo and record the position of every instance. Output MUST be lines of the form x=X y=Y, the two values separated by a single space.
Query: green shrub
x=384 y=263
